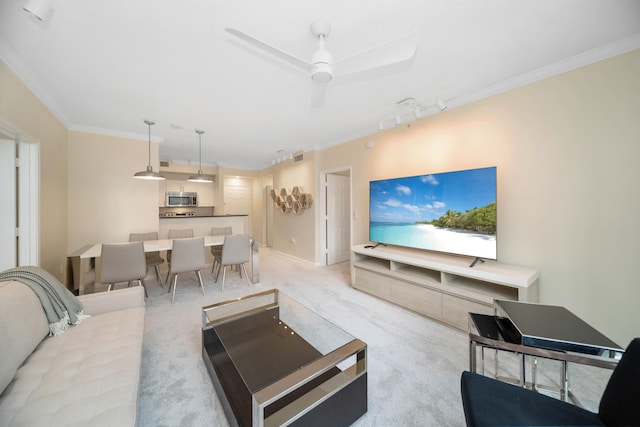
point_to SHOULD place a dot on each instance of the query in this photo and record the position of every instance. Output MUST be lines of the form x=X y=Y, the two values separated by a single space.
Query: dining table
x=85 y=261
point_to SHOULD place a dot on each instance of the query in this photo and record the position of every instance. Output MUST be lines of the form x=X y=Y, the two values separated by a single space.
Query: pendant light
x=149 y=173
x=200 y=177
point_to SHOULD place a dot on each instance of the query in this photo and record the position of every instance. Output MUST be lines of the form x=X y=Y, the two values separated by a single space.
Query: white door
x=268 y=219
x=236 y=200
x=338 y=223
x=19 y=192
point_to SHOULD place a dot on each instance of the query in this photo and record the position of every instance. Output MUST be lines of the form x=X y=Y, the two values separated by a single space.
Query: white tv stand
x=439 y=286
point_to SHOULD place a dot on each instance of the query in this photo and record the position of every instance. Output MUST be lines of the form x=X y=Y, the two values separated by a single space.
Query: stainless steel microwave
x=178 y=199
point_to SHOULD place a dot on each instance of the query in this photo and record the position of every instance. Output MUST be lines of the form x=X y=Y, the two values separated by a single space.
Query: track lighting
x=149 y=174
x=410 y=110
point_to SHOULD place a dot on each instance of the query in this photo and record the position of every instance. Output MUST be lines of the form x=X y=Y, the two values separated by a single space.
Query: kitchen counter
x=202 y=225
x=200 y=216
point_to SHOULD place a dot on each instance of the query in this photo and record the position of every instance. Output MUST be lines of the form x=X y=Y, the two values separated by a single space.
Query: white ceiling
x=106 y=65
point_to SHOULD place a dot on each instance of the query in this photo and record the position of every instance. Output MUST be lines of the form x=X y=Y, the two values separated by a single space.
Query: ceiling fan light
x=322 y=73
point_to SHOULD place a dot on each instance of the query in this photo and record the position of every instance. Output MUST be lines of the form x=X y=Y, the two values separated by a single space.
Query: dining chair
x=123 y=262
x=183 y=233
x=153 y=258
x=216 y=251
x=188 y=255
x=235 y=251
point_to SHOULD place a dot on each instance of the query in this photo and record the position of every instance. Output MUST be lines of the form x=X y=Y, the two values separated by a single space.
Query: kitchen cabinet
x=181 y=186
x=205 y=191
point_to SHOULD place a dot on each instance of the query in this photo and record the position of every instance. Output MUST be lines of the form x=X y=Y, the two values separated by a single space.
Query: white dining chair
x=123 y=262
x=216 y=251
x=235 y=251
x=153 y=258
x=182 y=233
x=188 y=255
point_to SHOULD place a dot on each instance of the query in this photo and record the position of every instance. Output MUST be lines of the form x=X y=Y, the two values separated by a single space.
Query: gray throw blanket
x=60 y=305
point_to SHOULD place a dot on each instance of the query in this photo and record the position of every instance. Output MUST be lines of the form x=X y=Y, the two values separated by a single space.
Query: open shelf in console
x=478 y=289
x=419 y=274
x=384 y=271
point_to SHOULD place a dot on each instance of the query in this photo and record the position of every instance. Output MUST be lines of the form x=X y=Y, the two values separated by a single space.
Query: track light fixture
x=411 y=110
x=200 y=177
x=149 y=174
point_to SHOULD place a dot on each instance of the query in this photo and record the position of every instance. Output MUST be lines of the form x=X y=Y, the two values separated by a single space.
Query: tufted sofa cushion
x=87 y=376
x=23 y=325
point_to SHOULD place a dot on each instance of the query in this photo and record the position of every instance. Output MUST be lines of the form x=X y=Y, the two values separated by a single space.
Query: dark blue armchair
x=489 y=402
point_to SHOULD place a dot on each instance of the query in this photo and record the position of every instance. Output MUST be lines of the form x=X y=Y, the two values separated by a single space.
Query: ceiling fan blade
x=300 y=63
x=391 y=52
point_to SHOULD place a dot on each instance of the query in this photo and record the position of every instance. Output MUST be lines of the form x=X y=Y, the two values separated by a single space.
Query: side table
x=512 y=332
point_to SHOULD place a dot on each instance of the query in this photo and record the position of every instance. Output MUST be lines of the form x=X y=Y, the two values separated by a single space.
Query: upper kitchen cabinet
x=181 y=186
x=204 y=189
x=205 y=193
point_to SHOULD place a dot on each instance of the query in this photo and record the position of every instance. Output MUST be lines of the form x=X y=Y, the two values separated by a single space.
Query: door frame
x=323 y=209
x=28 y=195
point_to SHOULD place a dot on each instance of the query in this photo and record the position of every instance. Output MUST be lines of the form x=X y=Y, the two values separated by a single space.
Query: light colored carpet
x=414 y=363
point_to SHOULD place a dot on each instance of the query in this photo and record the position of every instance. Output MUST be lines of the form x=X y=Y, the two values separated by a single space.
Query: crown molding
x=118 y=134
x=592 y=56
x=10 y=57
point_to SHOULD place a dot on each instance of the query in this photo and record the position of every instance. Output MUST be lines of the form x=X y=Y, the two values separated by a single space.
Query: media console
x=439 y=286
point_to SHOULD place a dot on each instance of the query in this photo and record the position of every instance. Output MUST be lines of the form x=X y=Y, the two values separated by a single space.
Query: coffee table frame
x=343 y=395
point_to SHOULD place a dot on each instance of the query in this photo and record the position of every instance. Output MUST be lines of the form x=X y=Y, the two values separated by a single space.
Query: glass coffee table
x=275 y=362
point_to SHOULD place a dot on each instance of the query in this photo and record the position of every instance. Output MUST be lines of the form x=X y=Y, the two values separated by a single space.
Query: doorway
x=19 y=188
x=337 y=216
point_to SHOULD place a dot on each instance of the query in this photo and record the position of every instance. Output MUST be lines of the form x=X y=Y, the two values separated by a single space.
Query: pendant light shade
x=200 y=177
x=149 y=173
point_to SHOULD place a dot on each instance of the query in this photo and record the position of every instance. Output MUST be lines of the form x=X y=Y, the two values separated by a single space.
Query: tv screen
x=452 y=212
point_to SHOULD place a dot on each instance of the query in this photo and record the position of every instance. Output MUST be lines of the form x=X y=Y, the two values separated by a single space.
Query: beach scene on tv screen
x=452 y=212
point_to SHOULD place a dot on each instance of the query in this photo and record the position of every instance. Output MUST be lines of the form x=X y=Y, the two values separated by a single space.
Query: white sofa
x=87 y=376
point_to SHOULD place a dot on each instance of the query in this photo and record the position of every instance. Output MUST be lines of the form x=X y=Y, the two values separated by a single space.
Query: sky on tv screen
x=428 y=197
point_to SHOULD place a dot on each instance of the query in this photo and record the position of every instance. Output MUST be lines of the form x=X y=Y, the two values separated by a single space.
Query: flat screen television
x=452 y=212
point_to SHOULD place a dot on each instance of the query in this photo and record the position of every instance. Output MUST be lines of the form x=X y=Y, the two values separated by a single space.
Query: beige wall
x=105 y=202
x=25 y=114
x=295 y=234
x=567 y=151
x=259 y=203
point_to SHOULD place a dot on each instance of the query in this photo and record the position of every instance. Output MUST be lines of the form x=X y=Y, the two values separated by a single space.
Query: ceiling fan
x=322 y=66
